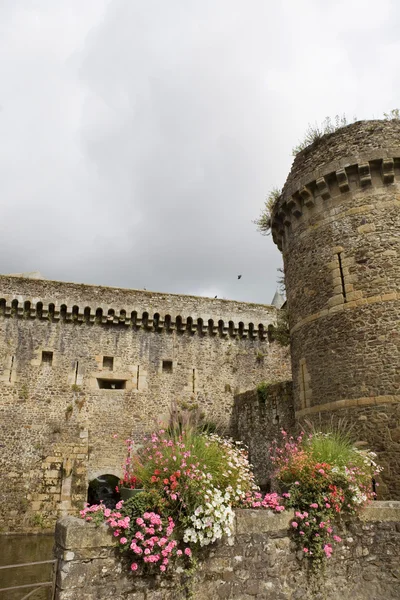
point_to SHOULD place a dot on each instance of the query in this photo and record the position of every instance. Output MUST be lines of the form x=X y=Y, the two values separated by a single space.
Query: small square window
x=167 y=366
x=111 y=384
x=47 y=358
x=108 y=363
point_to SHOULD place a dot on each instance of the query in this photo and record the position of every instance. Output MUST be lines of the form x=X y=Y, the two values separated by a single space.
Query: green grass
x=335 y=448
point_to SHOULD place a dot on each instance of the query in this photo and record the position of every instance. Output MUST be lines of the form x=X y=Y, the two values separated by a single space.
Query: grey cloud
x=139 y=139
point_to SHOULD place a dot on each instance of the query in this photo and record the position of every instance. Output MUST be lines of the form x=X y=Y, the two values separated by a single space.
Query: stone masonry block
x=72 y=533
x=259 y=521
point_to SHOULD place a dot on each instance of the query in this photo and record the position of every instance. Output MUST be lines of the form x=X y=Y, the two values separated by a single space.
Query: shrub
x=315 y=132
x=324 y=476
x=263 y=222
x=192 y=480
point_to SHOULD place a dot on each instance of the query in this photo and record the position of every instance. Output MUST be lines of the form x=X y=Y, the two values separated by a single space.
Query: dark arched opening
x=102 y=489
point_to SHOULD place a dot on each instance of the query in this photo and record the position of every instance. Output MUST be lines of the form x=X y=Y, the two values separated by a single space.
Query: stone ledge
x=384 y=510
x=73 y=533
x=360 y=302
x=261 y=521
x=348 y=403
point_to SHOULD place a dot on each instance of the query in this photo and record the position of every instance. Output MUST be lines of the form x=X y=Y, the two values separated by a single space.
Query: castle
x=79 y=363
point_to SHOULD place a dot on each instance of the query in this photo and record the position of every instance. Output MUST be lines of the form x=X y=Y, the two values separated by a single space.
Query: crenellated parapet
x=302 y=199
x=365 y=154
x=138 y=310
x=28 y=308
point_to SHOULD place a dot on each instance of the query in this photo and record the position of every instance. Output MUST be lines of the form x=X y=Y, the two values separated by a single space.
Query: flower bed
x=325 y=477
x=193 y=481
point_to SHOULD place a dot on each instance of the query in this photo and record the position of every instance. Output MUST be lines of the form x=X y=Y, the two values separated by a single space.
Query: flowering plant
x=324 y=476
x=192 y=481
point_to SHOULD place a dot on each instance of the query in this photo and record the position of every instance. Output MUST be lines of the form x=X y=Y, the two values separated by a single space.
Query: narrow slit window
x=303 y=386
x=11 y=368
x=47 y=358
x=111 y=384
x=76 y=372
x=137 y=377
x=342 y=276
x=194 y=380
x=167 y=366
x=108 y=363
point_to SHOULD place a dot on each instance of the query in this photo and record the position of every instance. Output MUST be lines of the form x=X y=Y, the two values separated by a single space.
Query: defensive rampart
x=79 y=363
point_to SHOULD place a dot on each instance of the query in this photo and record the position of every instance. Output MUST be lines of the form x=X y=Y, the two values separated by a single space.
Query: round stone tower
x=337 y=223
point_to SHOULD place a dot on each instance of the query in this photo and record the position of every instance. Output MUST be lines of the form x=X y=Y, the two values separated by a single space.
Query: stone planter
x=127 y=493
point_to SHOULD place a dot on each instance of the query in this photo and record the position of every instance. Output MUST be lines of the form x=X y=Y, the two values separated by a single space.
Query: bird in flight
x=239 y=277
x=215 y=297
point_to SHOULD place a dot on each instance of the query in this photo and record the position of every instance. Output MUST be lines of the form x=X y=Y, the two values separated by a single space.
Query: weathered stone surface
x=257 y=566
x=74 y=534
x=58 y=339
x=259 y=521
x=342 y=272
x=257 y=420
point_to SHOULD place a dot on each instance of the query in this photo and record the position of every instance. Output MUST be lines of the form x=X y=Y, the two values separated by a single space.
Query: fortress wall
x=57 y=424
x=257 y=420
x=259 y=561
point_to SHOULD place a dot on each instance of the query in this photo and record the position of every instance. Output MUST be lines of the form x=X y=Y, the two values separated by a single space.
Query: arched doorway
x=102 y=489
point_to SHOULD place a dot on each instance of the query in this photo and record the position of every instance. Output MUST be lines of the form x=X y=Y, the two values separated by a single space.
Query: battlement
x=80 y=303
x=366 y=153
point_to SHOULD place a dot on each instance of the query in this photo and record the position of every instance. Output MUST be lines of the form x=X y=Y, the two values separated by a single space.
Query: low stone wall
x=259 y=562
x=257 y=420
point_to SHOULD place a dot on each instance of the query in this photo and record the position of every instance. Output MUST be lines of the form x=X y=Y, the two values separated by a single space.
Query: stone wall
x=259 y=562
x=59 y=342
x=337 y=223
x=257 y=419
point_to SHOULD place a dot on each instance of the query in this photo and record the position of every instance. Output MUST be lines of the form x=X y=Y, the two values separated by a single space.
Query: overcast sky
x=138 y=140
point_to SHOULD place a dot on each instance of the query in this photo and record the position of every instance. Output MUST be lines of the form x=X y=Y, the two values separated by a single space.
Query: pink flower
x=305 y=550
x=134 y=566
x=327 y=505
x=179 y=552
x=123 y=540
x=162 y=568
x=337 y=538
x=314 y=505
x=329 y=529
x=301 y=532
x=188 y=552
x=294 y=524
